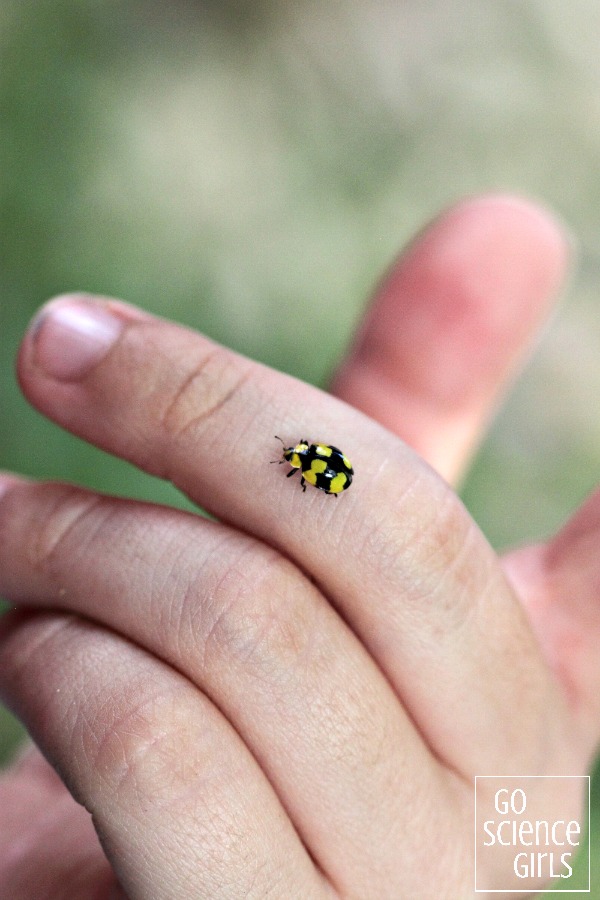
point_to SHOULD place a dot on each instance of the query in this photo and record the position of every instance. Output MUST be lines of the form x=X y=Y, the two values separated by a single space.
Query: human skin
x=291 y=701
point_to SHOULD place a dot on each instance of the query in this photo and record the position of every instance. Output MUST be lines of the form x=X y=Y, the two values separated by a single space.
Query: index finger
x=397 y=555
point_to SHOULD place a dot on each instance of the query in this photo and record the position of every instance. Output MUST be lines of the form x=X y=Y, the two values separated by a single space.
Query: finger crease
x=170 y=419
x=52 y=537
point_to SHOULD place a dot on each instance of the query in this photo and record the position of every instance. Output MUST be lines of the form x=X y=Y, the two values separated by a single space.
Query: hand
x=291 y=701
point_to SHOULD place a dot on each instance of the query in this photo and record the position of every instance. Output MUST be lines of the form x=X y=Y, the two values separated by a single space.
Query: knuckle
x=426 y=544
x=159 y=751
x=133 y=747
x=208 y=385
x=447 y=542
x=249 y=616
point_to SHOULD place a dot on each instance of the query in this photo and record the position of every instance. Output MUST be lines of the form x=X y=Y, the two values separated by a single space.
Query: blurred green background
x=231 y=163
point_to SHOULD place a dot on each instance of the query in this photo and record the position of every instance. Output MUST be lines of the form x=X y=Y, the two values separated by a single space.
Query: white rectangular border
x=589 y=829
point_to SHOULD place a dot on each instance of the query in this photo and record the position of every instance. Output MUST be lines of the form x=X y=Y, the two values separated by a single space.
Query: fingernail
x=71 y=335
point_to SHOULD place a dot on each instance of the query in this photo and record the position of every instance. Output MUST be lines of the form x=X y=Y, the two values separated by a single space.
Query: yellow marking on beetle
x=323 y=450
x=337 y=483
x=318 y=465
x=347 y=462
x=310 y=476
x=295 y=461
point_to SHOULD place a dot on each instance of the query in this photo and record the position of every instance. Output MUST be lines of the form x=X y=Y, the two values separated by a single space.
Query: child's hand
x=291 y=702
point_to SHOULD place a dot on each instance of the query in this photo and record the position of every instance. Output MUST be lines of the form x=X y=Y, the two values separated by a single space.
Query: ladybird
x=323 y=466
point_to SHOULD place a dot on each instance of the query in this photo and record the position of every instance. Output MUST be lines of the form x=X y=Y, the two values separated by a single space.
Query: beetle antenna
x=278 y=460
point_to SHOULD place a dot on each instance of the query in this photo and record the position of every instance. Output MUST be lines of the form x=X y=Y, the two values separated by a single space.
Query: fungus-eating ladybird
x=323 y=466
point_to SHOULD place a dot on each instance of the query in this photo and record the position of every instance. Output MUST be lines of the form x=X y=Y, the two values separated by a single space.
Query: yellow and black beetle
x=323 y=466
